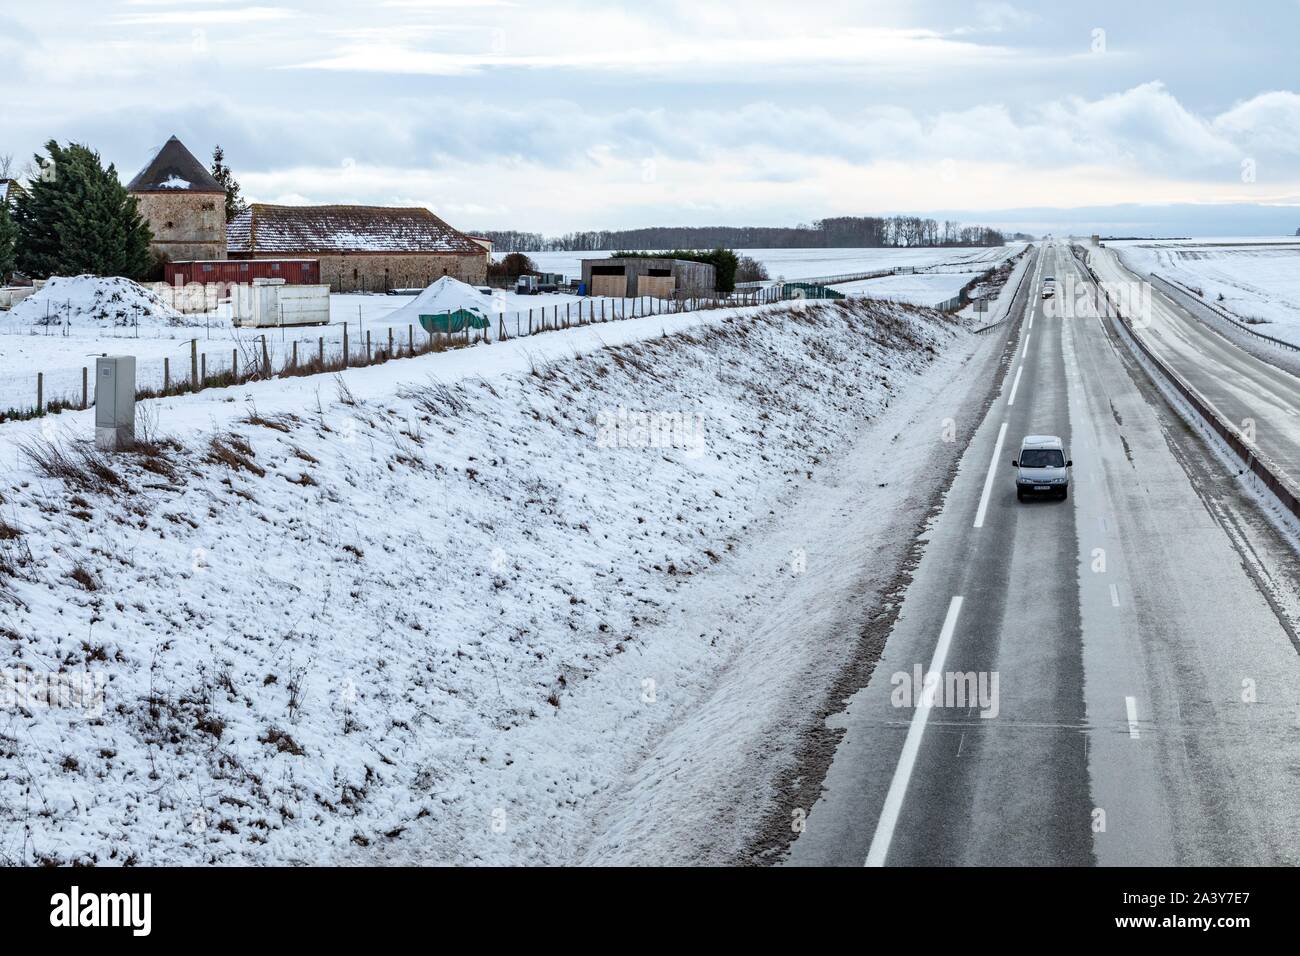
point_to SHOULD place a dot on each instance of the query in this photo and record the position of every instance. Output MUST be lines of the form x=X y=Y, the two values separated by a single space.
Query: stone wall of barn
x=185 y=225
x=381 y=271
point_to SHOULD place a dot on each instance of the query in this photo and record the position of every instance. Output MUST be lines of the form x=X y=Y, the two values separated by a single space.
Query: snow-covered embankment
x=436 y=610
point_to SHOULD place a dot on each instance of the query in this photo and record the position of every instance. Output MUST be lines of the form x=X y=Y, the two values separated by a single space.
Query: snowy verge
x=353 y=617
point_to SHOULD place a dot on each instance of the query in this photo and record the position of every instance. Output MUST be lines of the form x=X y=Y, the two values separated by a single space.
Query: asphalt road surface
x=1147 y=706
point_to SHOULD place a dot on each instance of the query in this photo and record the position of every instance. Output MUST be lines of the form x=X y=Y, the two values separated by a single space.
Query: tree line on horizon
x=839 y=232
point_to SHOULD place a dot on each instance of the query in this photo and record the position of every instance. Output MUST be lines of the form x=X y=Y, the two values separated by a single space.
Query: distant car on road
x=1042 y=468
x=1049 y=287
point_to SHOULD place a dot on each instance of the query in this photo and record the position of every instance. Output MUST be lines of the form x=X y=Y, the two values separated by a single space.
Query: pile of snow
x=93 y=300
x=444 y=296
x=457 y=664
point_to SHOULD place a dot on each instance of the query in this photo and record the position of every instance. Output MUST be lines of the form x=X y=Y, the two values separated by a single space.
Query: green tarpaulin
x=453 y=321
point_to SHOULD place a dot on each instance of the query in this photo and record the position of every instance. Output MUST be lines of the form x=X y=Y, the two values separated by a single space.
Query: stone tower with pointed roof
x=184 y=206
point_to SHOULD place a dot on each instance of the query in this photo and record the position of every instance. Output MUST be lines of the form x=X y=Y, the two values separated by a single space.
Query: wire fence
x=226 y=355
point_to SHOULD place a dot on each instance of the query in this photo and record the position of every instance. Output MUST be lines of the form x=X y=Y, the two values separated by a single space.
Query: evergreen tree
x=222 y=174
x=77 y=217
x=8 y=242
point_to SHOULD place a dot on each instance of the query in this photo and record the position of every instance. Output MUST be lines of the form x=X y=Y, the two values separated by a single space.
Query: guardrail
x=1020 y=285
x=1226 y=432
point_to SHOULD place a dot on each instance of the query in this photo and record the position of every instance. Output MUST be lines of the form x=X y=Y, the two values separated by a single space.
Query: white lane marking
x=911 y=746
x=1015 y=385
x=1114 y=596
x=1131 y=704
x=1027 y=335
x=1031 y=321
x=988 y=482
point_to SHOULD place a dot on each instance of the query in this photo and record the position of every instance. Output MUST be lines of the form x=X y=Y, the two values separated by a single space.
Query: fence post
x=85 y=388
x=390 y=342
x=501 y=326
x=234 y=364
x=167 y=374
x=194 y=365
x=530 y=320
x=567 y=316
x=367 y=346
x=266 y=359
x=322 y=353
x=410 y=339
x=345 y=345
x=295 y=354
x=203 y=362
x=40 y=393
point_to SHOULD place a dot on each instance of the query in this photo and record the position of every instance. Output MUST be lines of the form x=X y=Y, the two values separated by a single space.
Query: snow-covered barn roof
x=174 y=169
x=340 y=229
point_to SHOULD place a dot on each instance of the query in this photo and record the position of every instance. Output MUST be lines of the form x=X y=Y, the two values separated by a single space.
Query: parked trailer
x=271 y=303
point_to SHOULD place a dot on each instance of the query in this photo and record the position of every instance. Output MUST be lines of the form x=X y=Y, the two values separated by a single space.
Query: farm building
x=360 y=248
x=660 y=278
x=184 y=206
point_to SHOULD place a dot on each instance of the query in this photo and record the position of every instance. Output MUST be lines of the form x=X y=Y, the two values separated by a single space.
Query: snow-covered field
x=921 y=288
x=811 y=263
x=425 y=610
x=1258 y=281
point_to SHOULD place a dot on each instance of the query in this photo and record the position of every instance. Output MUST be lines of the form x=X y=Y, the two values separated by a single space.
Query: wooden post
x=602 y=310
x=203 y=380
x=368 y=346
x=266 y=360
x=167 y=374
x=85 y=388
x=295 y=354
x=234 y=364
x=194 y=365
x=566 y=314
x=501 y=325
x=345 y=345
x=530 y=320
x=410 y=338
x=322 y=353
x=40 y=393
x=390 y=342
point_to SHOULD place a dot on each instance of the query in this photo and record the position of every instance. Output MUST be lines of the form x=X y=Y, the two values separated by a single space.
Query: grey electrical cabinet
x=115 y=402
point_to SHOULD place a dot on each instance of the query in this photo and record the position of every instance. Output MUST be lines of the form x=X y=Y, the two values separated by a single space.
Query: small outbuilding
x=647 y=276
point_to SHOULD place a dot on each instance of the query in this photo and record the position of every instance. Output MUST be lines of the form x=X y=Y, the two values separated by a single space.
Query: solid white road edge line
x=911 y=746
x=1015 y=385
x=1131 y=705
x=988 y=482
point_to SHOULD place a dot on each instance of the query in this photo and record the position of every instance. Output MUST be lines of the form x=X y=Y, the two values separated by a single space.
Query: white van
x=1042 y=468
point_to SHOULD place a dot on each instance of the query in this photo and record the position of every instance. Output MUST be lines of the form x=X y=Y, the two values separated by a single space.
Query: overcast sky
x=552 y=116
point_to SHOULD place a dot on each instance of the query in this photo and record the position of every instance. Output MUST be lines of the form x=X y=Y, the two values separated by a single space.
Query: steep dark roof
x=174 y=169
x=339 y=229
